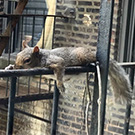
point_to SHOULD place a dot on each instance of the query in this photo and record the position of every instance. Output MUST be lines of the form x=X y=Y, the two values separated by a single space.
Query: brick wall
x=71 y=106
x=73 y=32
x=25 y=125
x=116 y=28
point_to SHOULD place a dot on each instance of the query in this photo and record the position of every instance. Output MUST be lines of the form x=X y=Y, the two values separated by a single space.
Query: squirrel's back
x=75 y=55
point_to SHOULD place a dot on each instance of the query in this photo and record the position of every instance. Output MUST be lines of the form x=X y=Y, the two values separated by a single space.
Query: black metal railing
x=15 y=45
x=105 y=27
x=13 y=74
x=26 y=72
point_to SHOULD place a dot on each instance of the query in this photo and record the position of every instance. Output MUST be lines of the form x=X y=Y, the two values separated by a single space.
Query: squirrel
x=59 y=58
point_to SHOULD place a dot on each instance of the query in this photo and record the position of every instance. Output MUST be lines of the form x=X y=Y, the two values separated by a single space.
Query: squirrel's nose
x=18 y=66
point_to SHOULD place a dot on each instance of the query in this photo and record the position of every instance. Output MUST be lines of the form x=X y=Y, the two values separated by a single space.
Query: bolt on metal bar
x=10 y=117
x=54 y=110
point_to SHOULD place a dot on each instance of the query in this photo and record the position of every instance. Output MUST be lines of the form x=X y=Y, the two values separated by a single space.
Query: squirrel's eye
x=27 y=60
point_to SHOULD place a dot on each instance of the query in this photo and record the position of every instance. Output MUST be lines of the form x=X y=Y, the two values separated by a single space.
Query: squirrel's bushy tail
x=120 y=83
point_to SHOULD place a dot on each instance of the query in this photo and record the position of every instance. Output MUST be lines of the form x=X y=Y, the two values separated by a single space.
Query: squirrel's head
x=28 y=58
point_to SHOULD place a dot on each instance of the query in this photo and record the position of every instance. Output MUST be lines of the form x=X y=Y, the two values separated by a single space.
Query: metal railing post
x=103 y=52
x=54 y=110
x=10 y=117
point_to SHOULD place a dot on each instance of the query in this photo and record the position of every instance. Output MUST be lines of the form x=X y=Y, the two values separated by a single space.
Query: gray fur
x=120 y=83
x=59 y=58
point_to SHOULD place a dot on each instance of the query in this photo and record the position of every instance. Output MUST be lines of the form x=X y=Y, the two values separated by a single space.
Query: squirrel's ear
x=36 y=49
x=24 y=45
x=26 y=40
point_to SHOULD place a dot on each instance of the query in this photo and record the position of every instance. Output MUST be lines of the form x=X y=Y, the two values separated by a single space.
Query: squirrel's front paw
x=9 y=67
x=61 y=87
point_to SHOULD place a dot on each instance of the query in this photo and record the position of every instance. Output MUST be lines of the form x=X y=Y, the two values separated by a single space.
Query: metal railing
x=26 y=72
x=103 y=55
x=15 y=41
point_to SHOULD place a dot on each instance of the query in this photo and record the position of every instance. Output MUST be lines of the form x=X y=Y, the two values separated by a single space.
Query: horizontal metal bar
x=1 y=36
x=27 y=114
x=31 y=15
x=127 y=64
x=68 y=70
x=28 y=98
x=34 y=8
x=43 y=71
x=31 y=115
x=12 y=0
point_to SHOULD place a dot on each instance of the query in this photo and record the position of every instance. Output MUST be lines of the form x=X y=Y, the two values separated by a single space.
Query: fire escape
x=12 y=95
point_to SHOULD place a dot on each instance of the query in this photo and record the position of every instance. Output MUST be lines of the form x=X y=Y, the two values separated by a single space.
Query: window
x=127 y=31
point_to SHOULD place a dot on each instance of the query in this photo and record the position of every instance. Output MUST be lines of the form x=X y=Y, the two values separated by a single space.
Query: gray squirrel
x=59 y=58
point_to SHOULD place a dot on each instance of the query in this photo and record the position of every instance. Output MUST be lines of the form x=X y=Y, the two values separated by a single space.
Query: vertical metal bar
x=33 y=31
x=43 y=33
x=8 y=20
x=103 y=52
x=15 y=29
x=126 y=42
x=17 y=34
x=94 y=120
x=7 y=86
x=21 y=32
x=40 y=84
x=130 y=57
x=54 y=110
x=17 y=90
x=10 y=40
x=26 y=22
x=53 y=32
x=15 y=38
x=29 y=85
x=9 y=50
x=128 y=107
x=10 y=117
x=49 y=85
